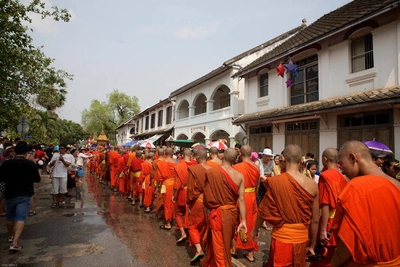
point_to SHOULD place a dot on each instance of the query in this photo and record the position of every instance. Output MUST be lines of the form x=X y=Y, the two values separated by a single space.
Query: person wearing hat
x=267 y=168
x=378 y=157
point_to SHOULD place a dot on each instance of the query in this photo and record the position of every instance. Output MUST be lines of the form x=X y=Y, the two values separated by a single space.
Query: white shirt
x=81 y=158
x=59 y=169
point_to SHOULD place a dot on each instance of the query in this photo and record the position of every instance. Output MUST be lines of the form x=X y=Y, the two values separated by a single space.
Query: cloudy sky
x=151 y=48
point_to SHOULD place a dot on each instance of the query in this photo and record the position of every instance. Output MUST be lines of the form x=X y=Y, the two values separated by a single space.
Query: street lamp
x=23 y=125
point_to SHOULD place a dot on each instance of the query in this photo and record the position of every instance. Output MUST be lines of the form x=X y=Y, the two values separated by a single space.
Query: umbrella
x=129 y=144
x=147 y=145
x=377 y=146
x=218 y=144
x=199 y=145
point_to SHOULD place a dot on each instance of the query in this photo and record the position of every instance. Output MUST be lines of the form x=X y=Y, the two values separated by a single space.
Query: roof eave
x=321 y=37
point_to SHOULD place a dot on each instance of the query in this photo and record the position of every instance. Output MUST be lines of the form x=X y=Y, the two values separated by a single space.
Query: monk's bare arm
x=242 y=207
x=314 y=225
x=323 y=236
x=342 y=254
x=259 y=222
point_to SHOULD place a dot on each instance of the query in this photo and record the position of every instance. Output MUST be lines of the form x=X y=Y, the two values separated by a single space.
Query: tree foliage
x=107 y=115
x=26 y=74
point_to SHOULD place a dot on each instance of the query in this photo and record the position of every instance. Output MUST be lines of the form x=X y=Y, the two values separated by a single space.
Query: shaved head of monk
x=160 y=152
x=150 y=155
x=213 y=151
x=292 y=154
x=330 y=156
x=169 y=152
x=187 y=152
x=246 y=151
x=354 y=157
x=202 y=154
x=230 y=155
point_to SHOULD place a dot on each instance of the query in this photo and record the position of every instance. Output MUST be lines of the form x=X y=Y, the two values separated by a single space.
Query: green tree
x=42 y=123
x=26 y=74
x=107 y=115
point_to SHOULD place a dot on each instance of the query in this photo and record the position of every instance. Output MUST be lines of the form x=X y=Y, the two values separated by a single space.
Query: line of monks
x=213 y=201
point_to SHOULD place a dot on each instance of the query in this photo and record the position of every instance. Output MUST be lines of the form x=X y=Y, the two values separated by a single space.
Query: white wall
x=335 y=77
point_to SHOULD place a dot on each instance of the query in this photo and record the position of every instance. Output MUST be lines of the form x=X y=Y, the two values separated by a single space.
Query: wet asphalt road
x=99 y=228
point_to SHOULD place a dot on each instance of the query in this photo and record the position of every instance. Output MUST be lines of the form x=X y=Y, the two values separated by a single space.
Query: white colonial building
x=206 y=107
x=347 y=86
x=152 y=124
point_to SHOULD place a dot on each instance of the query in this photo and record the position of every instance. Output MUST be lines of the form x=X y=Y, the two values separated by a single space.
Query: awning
x=161 y=131
x=152 y=139
x=129 y=144
x=182 y=143
x=375 y=97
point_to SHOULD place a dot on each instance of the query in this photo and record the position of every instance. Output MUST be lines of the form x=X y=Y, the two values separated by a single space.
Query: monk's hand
x=323 y=236
x=310 y=251
x=242 y=226
x=173 y=199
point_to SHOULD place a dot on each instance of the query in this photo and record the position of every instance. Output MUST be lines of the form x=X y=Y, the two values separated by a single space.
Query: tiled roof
x=266 y=44
x=340 y=18
x=226 y=66
x=380 y=96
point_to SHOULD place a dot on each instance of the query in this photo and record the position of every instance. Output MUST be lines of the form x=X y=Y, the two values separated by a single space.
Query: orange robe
x=288 y=207
x=121 y=174
x=212 y=163
x=367 y=221
x=220 y=197
x=180 y=186
x=111 y=159
x=115 y=159
x=194 y=198
x=159 y=199
x=251 y=174
x=135 y=170
x=147 y=168
x=331 y=184
x=166 y=176
x=126 y=177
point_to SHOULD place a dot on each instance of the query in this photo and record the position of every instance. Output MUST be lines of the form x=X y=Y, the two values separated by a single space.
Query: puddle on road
x=87 y=213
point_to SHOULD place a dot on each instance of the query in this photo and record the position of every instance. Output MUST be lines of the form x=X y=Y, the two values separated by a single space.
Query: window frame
x=368 y=56
x=263 y=87
x=307 y=63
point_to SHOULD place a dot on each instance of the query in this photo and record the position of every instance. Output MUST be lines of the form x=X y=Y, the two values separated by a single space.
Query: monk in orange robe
x=165 y=178
x=179 y=193
x=102 y=165
x=136 y=180
x=214 y=159
x=195 y=195
x=148 y=185
x=115 y=160
x=121 y=173
x=289 y=205
x=111 y=157
x=251 y=174
x=93 y=162
x=159 y=205
x=331 y=184
x=367 y=217
x=131 y=177
x=223 y=188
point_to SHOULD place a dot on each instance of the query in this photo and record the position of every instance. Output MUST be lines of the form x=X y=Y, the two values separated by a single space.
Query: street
x=98 y=228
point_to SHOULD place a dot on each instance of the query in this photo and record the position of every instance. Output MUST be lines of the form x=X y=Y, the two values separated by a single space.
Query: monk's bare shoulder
x=309 y=185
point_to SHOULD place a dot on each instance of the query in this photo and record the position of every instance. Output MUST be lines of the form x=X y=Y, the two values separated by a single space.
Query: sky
x=150 y=48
